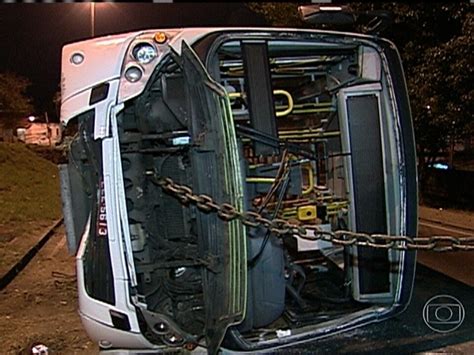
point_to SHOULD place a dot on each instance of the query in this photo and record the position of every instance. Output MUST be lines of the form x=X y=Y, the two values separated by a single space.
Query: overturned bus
x=191 y=151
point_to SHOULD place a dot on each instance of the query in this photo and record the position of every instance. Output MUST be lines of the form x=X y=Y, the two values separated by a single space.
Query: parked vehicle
x=310 y=127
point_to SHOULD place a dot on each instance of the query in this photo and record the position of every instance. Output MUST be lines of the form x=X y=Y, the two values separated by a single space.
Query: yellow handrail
x=290 y=102
x=233 y=95
x=260 y=180
x=309 y=189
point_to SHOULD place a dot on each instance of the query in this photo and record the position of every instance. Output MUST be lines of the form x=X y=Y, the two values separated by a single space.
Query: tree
x=435 y=41
x=13 y=98
x=442 y=87
x=278 y=14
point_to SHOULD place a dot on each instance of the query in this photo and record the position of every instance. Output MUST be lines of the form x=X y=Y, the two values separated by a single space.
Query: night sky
x=32 y=35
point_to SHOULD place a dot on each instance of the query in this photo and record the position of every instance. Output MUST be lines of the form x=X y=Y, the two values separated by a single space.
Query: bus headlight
x=144 y=53
x=133 y=74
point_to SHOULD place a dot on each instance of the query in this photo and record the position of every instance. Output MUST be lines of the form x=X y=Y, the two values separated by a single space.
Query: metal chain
x=282 y=227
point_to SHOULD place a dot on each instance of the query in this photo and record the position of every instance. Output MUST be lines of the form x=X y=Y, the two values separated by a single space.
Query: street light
x=92 y=9
x=92 y=13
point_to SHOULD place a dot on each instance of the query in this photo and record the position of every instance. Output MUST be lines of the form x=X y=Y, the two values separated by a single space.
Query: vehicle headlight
x=133 y=74
x=77 y=58
x=144 y=53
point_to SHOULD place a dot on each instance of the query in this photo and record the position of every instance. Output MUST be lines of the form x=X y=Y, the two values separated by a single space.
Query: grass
x=29 y=186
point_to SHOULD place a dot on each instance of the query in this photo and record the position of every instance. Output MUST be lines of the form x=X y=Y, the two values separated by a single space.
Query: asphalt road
x=408 y=333
x=458 y=265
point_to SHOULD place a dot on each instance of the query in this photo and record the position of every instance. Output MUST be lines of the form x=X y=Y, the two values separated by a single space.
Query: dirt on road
x=17 y=238
x=40 y=305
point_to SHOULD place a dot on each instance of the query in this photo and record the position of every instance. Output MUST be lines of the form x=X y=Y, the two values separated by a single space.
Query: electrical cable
x=254 y=260
x=276 y=182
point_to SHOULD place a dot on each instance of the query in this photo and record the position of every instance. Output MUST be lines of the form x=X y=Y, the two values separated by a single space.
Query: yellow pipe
x=234 y=95
x=255 y=166
x=313 y=110
x=290 y=102
x=260 y=180
x=294 y=131
x=309 y=106
x=310 y=135
x=309 y=189
x=337 y=205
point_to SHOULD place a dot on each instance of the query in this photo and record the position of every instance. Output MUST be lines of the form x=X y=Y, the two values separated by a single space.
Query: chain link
x=282 y=227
